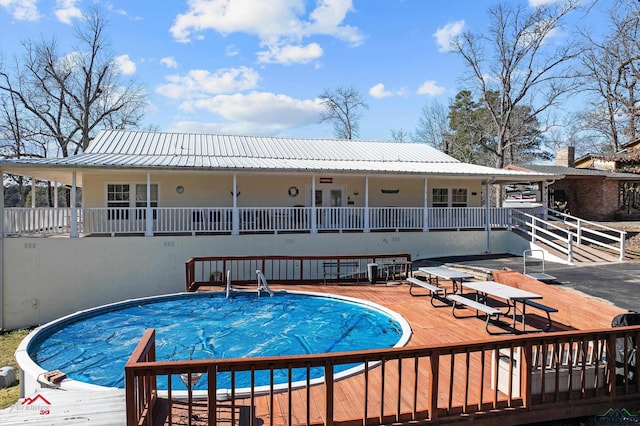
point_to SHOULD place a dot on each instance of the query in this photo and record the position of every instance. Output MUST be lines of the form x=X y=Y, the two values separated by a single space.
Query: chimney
x=565 y=156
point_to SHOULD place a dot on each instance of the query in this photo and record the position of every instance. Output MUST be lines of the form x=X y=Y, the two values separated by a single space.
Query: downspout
x=487 y=222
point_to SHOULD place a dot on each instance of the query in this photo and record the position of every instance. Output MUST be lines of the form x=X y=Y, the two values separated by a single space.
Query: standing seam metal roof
x=140 y=149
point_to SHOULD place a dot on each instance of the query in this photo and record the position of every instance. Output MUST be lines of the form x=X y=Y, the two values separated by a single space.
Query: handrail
x=433 y=382
x=574 y=230
x=228 y=283
x=263 y=280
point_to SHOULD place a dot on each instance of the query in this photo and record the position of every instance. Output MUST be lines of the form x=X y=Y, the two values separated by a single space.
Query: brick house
x=594 y=188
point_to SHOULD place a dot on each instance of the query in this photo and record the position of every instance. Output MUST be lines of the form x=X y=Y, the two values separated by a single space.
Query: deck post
x=328 y=381
x=432 y=405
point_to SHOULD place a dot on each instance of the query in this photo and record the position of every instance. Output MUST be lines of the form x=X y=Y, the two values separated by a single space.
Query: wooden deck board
x=430 y=325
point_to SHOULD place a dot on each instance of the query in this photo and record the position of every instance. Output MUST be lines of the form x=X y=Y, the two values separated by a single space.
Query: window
x=449 y=197
x=459 y=197
x=120 y=201
x=440 y=197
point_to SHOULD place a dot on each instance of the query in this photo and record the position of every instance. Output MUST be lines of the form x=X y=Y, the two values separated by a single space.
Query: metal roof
x=575 y=171
x=122 y=149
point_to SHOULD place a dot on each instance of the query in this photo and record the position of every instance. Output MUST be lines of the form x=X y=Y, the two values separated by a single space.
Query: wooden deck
x=431 y=326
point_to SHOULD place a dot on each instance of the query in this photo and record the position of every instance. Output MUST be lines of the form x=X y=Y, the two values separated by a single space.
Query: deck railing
x=214 y=270
x=44 y=221
x=536 y=377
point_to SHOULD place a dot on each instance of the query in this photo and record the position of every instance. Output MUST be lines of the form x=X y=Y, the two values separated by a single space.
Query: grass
x=9 y=342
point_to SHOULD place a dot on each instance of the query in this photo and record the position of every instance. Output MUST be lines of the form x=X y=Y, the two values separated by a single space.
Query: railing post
x=328 y=396
x=579 y=232
x=432 y=404
x=569 y=248
x=74 y=210
x=623 y=240
x=525 y=373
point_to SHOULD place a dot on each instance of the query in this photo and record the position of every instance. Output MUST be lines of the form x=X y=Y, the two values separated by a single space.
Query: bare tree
x=612 y=72
x=516 y=61
x=69 y=97
x=343 y=108
x=433 y=126
x=400 y=135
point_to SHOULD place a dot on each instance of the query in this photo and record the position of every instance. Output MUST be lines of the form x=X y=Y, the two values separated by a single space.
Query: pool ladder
x=262 y=283
x=262 y=280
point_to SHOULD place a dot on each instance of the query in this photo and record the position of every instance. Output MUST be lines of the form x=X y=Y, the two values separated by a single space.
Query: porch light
x=179 y=189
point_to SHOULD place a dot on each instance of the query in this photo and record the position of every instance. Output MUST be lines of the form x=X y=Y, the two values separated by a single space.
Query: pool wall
x=47 y=278
x=31 y=374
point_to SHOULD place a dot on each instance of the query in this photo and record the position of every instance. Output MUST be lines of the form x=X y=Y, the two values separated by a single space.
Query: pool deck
x=430 y=325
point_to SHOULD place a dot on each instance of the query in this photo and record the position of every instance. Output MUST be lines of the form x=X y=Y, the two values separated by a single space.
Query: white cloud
x=126 y=65
x=430 y=88
x=263 y=108
x=291 y=54
x=231 y=50
x=66 y=11
x=22 y=10
x=201 y=83
x=278 y=24
x=447 y=34
x=538 y=3
x=380 y=92
x=169 y=62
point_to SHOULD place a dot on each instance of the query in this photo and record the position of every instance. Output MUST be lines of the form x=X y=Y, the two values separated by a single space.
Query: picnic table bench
x=490 y=312
x=547 y=309
x=433 y=290
x=336 y=268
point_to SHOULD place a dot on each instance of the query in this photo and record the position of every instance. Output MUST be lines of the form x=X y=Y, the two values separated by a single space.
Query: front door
x=330 y=203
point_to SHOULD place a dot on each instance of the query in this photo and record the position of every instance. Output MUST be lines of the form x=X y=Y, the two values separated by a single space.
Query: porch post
x=314 y=215
x=367 y=225
x=425 y=203
x=56 y=203
x=487 y=218
x=74 y=210
x=235 y=216
x=148 y=226
x=33 y=192
x=544 y=189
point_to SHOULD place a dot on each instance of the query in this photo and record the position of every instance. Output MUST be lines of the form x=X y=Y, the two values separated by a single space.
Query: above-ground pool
x=93 y=346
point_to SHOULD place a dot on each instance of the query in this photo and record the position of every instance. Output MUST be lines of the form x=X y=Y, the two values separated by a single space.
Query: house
x=592 y=190
x=152 y=200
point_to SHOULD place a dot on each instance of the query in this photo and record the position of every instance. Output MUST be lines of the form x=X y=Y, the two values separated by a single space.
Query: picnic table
x=436 y=272
x=397 y=268
x=511 y=295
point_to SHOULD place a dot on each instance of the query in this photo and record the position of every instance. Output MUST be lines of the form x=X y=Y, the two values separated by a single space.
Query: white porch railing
x=44 y=221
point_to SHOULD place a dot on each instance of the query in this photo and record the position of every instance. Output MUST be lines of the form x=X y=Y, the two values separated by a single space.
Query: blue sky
x=257 y=67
